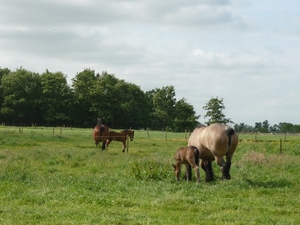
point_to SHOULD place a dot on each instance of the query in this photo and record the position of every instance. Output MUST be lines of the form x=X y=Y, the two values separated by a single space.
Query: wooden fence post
x=127 y=147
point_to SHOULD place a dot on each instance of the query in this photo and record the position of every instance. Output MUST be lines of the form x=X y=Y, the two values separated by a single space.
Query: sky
x=245 y=52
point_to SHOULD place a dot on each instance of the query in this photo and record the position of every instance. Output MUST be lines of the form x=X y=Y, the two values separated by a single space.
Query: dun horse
x=100 y=133
x=120 y=136
x=189 y=156
x=214 y=142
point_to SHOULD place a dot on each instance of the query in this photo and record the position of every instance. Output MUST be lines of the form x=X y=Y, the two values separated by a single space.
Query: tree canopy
x=46 y=99
x=214 y=108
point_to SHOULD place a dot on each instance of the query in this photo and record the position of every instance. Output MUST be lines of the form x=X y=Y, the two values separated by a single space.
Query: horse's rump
x=213 y=140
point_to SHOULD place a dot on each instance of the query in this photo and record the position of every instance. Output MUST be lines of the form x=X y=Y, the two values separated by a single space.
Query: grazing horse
x=120 y=136
x=100 y=133
x=214 y=142
x=189 y=156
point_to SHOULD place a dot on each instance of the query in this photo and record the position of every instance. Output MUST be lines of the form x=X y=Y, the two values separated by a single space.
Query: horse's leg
x=209 y=171
x=103 y=145
x=124 y=146
x=225 y=166
x=107 y=142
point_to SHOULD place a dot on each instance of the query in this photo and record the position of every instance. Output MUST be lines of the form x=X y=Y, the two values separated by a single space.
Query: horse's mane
x=200 y=125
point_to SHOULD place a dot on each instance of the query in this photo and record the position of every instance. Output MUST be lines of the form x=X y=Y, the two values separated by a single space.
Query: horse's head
x=130 y=133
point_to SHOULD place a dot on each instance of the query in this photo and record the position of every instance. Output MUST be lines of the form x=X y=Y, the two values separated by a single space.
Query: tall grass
x=64 y=179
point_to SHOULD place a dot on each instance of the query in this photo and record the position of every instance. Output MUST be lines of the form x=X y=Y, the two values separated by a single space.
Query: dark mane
x=200 y=125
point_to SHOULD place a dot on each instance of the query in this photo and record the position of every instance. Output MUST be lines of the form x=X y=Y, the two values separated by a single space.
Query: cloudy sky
x=244 y=51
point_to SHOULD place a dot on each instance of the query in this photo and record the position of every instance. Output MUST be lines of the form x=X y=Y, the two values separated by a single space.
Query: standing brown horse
x=189 y=156
x=120 y=136
x=100 y=133
x=214 y=142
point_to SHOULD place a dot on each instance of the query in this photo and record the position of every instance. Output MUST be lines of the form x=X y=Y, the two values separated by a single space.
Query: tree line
x=265 y=127
x=29 y=98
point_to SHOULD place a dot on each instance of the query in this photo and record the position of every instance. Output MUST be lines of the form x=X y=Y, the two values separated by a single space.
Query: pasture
x=58 y=177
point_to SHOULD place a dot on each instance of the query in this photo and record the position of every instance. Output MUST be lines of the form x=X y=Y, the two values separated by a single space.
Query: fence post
x=60 y=132
x=148 y=133
x=127 y=147
x=280 y=148
x=53 y=131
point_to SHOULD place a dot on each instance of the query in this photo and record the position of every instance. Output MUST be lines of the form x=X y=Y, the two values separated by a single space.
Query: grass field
x=58 y=177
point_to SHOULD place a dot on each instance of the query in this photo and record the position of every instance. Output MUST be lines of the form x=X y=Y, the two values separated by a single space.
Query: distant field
x=58 y=177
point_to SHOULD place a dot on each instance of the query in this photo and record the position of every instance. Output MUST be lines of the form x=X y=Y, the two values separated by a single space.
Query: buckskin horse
x=214 y=142
x=189 y=156
x=101 y=133
x=120 y=136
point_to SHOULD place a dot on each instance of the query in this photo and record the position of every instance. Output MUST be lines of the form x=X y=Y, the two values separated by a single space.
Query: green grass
x=64 y=179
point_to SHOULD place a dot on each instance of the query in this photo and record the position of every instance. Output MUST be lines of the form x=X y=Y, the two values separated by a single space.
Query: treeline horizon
x=29 y=98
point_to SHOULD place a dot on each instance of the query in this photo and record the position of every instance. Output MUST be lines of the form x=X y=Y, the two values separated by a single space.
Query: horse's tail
x=229 y=131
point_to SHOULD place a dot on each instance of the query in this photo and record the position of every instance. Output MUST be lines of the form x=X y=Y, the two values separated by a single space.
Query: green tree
x=122 y=104
x=286 y=127
x=21 y=91
x=83 y=85
x=56 y=98
x=185 y=116
x=214 y=108
x=3 y=72
x=164 y=105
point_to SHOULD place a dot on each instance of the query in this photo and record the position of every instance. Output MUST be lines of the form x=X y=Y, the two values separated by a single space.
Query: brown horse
x=100 y=133
x=214 y=142
x=120 y=136
x=189 y=156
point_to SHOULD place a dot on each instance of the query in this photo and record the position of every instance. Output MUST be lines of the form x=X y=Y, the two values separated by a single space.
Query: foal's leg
x=188 y=172
x=197 y=172
x=178 y=170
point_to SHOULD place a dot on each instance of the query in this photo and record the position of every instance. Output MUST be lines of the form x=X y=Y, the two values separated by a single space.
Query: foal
x=189 y=156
